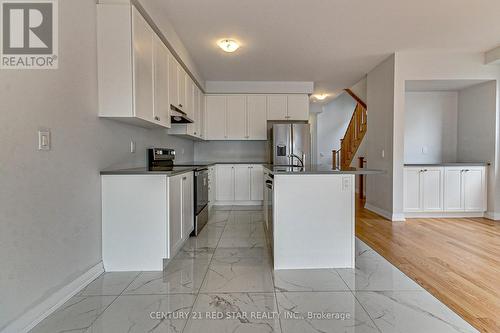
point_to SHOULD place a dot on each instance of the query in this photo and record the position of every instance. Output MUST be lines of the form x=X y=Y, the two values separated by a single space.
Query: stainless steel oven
x=200 y=199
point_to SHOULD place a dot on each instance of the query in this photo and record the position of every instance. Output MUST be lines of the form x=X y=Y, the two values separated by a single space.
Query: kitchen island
x=309 y=216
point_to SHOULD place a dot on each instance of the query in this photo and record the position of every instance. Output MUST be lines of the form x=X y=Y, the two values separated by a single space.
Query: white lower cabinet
x=181 y=213
x=239 y=183
x=444 y=190
x=145 y=219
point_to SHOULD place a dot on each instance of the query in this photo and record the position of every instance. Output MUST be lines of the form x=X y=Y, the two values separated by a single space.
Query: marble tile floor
x=223 y=281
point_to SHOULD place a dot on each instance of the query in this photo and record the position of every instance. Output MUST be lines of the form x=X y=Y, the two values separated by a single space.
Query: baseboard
x=492 y=216
x=35 y=315
x=437 y=215
x=238 y=203
x=384 y=213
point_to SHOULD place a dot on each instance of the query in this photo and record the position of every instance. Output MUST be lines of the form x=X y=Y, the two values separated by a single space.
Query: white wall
x=379 y=137
x=360 y=89
x=50 y=208
x=332 y=125
x=231 y=151
x=431 y=127
x=444 y=66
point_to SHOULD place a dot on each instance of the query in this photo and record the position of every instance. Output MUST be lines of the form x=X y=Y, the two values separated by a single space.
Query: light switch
x=132 y=146
x=44 y=139
x=382 y=153
x=346 y=184
x=425 y=150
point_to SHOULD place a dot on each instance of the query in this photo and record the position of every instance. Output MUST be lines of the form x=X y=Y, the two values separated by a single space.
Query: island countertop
x=319 y=170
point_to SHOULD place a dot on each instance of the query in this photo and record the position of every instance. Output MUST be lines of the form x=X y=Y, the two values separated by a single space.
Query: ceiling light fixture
x=320 y=97
x=228 y=45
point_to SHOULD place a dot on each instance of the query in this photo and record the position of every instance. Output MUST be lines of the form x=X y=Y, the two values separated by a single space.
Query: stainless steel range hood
x=178 y=116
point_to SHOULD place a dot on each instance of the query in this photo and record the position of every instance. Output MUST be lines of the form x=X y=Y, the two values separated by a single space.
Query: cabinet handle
x=180 y=105
x=184 y=178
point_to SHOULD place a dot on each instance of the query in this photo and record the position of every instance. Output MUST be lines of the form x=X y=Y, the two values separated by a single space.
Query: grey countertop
x=447 y=164
x=209 y=163
x=179 y=168
x=319 y=170
x=146 y=171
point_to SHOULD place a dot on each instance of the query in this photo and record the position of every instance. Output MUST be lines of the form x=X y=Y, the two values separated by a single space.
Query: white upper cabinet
x=236 y=114
x=277 y=107
x=181 y=82
x=161 y=101
x=257 y=117
x=133 y=68
x=216 y=117
x=298 y=107
x=203 y=116
x=173 y=81
x=288 y=107
x=142 y=40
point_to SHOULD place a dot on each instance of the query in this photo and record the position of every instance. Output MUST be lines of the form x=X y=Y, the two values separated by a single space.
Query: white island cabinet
x=146 y=218
x=311 y=219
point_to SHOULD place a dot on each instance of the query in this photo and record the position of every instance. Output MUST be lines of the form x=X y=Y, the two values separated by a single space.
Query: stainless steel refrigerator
x=291 y=144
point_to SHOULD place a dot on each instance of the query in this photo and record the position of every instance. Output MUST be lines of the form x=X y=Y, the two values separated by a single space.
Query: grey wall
x=332 y=125
x=379 y=137
x=477 y=128
x=431 y=127
x=50 y=209
x=231 y=151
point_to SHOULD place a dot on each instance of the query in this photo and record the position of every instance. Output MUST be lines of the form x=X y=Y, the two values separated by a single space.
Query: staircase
x=354 y=135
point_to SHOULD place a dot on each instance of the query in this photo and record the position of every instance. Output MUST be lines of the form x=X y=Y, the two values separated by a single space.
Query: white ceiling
x=331 y=42
x=440 y=85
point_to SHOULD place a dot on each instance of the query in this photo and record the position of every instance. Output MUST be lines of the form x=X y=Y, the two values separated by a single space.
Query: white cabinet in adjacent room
x=465 y=189
x=453 y=189
x=438 y=191
x=225 y=182
x=474 y=189
x=432 y=189
x=423 y=189
x=412 y=193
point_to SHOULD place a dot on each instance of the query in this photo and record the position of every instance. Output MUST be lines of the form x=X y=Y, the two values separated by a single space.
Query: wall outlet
x=44 y=139
x=132 y=146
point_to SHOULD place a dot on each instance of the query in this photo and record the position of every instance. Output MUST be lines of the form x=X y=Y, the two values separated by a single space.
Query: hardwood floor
x=456 y=260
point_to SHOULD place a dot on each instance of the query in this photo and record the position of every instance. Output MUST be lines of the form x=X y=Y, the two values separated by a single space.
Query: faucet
x=301 y=160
